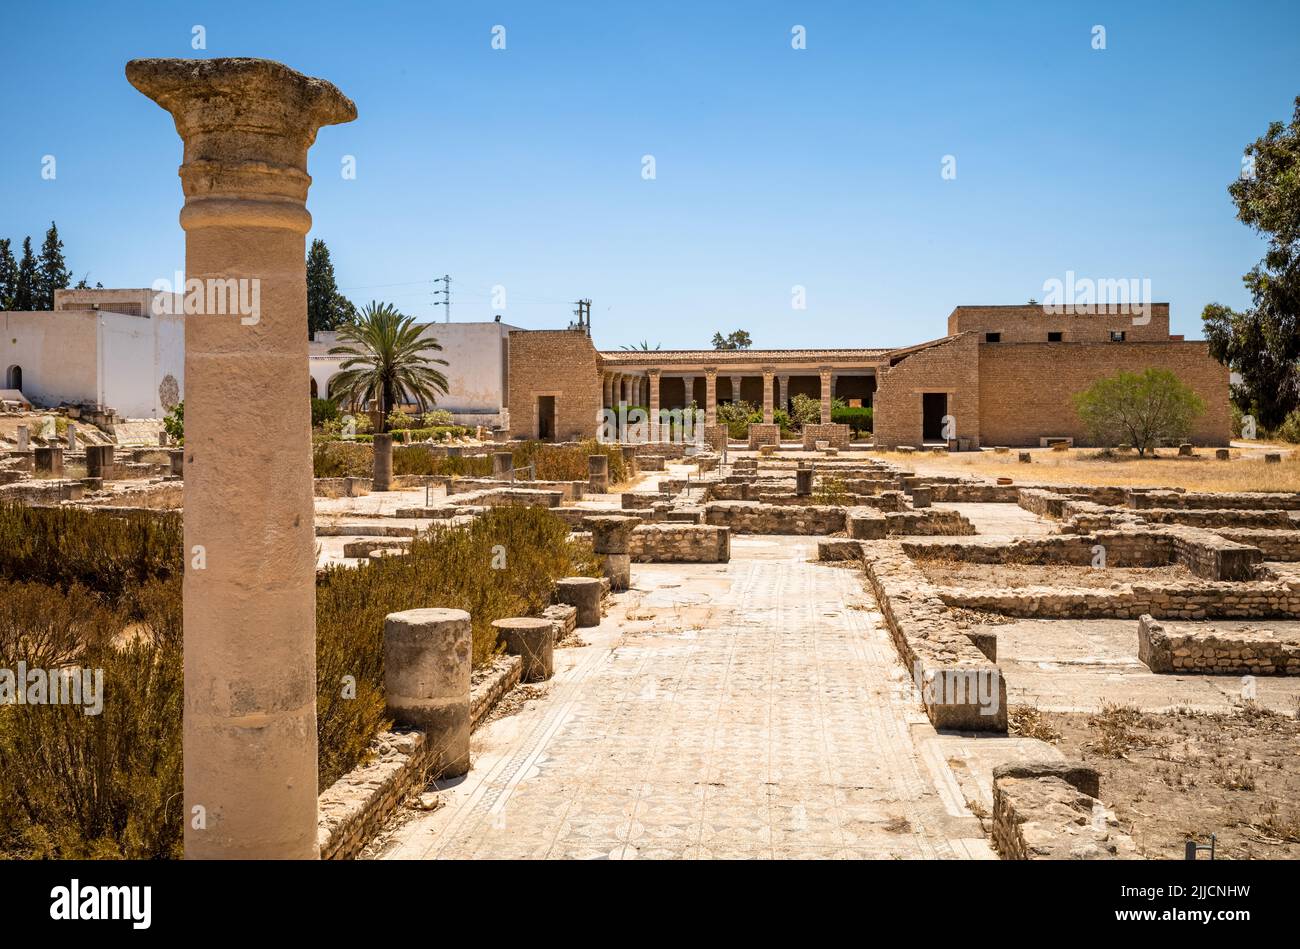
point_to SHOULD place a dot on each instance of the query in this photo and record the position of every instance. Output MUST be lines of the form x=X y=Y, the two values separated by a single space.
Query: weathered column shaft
x=782 y=391
x=769 y=407
x=383 y=469
x=250 y=594
x=653 y=384
x=735 y=387
x=607 y=390
x=710 y=396
x=825 y=374
x=24 y=437
x=427 y=657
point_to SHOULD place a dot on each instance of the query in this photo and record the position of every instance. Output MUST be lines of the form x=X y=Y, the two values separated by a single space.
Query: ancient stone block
x=531 y=639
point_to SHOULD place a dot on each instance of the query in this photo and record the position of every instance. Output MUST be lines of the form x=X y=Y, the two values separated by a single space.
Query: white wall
x=135 y=354
x=57 y=352
x=475 y=370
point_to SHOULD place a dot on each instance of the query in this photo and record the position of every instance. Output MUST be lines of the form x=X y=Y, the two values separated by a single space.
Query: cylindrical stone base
x=803 y=482
x=383 y=463
x=629 y=460
x=583 y=593
x=427 y=682
x=533 y=640
x=503 y=463
x=49 y=461
x=598 y=474
x=618 y=567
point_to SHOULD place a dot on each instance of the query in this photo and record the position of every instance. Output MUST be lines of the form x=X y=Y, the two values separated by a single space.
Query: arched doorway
x=14 y=377
x=314 y=392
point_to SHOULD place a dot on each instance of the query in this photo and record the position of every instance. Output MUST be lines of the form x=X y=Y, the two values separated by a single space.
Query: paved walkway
x=752 y=709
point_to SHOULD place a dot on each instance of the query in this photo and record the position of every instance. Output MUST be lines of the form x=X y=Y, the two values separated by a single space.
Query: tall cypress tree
x=8 y=275
x=25 y=286
x=327 y=309
x=52 y=271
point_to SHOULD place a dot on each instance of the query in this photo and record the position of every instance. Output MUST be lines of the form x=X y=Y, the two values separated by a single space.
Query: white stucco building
x=96 y=347
x=478 y=363
x=125 y=350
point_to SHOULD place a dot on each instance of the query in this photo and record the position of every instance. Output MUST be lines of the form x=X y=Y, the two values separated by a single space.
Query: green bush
x=857 y=419
x=805 y=410
x=438 y=434
x=173 y=424
x=322 y=411
x=737 y=416
x=1289 y=430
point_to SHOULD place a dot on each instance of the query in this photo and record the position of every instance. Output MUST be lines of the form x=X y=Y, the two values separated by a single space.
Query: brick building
x=1003 y=375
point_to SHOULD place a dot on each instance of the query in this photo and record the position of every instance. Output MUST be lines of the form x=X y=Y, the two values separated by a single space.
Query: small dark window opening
x=1117 y=336
x=992 y=337
x=1053 y=337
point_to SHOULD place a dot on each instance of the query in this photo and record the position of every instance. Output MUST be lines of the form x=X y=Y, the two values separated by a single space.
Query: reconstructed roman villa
x=903 y=642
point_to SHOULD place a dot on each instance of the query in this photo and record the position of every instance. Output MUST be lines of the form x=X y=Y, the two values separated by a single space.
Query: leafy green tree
x=327 y=308
x=8 y=275
x=387 y=361
x=1139 y=408
x=25 y=285
x=737 y=340
x=52 y=271
x=174 y=423
x=1262 y=343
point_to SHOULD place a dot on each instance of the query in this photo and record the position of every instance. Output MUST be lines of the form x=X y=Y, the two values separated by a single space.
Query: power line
x=446 y=294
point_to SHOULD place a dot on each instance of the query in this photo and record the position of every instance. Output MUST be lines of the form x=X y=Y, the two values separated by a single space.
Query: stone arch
x=14 y=377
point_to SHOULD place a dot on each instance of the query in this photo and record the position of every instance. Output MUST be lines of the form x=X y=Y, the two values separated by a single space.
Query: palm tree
x=386 y=361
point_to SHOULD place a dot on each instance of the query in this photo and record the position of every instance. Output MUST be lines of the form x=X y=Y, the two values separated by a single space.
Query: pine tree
x=25 y=286
x=52 y=271
x=327 y=309
x=8 y=275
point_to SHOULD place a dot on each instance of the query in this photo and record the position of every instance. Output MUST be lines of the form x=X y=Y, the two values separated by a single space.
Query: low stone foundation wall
x=42 y=492
x=960 y=687
x=571 y=490
x=751 y=517
x=1215 y=500
x=761 y=434
x=1051 y=811
x=836 y=433
x=975 y=492
x=1274 y=545
x=930 y=521
x=1205 y=599
x=355 y=808
x=680 y=543
x=1215 y=652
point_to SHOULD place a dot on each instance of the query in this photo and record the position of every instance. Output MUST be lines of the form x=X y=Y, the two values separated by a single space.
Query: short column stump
x=533 y=640
x=582 y=593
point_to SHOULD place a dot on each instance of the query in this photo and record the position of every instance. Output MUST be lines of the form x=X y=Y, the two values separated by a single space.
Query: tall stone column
x=653 y=383
x=782 y=390
x=735 y=387
x=769 y=409
x=710 y=395
x=607 y=390
x=825 y=372
x=250 y=624
x=688 y=391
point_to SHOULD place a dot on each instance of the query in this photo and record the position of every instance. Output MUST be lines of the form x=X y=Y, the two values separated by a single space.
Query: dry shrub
x=1116 y=730
x=74 y=785
x=107 y=553
x=1028 y=722
x=451 y=567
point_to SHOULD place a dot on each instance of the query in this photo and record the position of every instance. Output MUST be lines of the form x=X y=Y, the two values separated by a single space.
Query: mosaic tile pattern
x=747 y=710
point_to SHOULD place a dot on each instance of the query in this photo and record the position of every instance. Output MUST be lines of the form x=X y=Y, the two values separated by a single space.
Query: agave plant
x=387 y=361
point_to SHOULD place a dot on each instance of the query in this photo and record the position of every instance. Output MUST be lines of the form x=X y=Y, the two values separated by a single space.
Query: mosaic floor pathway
x=749 y=710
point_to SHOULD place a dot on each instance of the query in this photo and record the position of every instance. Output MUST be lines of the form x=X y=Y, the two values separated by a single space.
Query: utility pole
x=445 y=280
x=583 y=313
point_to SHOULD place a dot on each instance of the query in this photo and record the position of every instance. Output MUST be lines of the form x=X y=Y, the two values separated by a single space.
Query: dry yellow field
x=1245 y=471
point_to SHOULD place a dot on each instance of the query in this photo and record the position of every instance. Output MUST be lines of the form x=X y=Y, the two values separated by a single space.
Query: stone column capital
x=711 y=371
x=653 y=373
x=769 y=371
x=247 y=125
x=825 y=370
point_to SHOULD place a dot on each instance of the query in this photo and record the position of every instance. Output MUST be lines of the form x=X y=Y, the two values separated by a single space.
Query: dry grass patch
x=1171 y=775
x=1087 y=466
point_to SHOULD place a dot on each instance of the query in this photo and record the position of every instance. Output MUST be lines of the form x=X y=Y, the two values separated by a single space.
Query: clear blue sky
x=775 y=167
